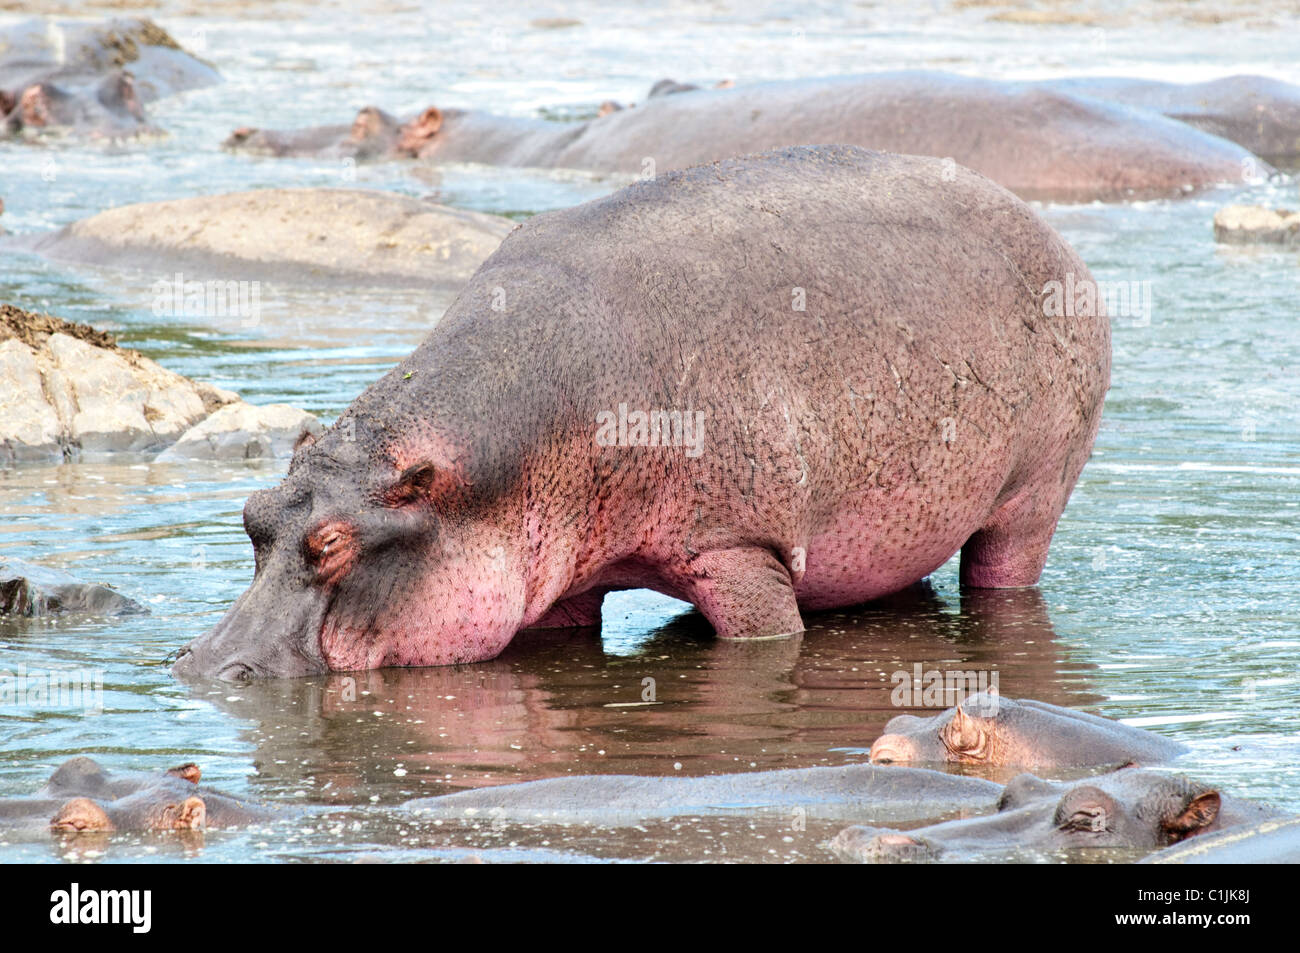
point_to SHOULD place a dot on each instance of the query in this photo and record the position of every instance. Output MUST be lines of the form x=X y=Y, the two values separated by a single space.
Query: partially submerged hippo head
x=1129 y=808
x=112 y=108
x=145 y=811
x=369 y=554
x=988 y=729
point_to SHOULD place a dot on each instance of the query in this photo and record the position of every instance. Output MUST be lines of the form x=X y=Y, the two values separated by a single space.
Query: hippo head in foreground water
x=1129 y=808
x=988 y=729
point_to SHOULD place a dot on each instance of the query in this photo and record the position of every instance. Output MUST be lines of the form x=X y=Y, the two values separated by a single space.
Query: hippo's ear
x=1199 y=813
x=419 y=131
x=190 y=815
x=965 y=737
x=186 y=772
x=422 y=482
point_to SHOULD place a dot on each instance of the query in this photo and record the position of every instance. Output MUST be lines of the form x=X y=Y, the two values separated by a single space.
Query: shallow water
x=1170 y=598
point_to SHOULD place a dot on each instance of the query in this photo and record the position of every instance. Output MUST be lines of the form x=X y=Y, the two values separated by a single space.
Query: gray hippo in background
x=989 y=729
x=1129 y=808
x=91 y=79
x=1037 y=142
x=29 y=590
x=110 y=110
x=843 y=396
x=82 y=796
x=1257 y=112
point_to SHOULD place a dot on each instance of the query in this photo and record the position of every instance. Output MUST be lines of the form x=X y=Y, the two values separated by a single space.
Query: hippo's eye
x=1088 y=820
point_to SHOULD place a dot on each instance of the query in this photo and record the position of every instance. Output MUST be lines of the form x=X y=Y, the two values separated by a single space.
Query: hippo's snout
x=263 y=635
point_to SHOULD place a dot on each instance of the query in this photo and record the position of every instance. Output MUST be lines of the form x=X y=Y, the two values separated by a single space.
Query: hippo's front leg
x=746 y=593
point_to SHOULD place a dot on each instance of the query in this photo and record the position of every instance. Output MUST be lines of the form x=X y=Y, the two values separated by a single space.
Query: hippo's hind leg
x=1010 y=550
x=745 y=593
x=580 y=611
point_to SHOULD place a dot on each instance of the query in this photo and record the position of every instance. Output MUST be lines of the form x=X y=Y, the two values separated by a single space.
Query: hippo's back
x=862 y=334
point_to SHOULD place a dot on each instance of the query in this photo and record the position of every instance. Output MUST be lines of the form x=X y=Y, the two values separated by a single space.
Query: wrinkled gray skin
x=468 y=494
x=1256 y=112
x=850 y=792
x=82 y=796
x=992 y=730
x=1037 y=142
x=1129 y=808
x=90 y=79
x=30 y=590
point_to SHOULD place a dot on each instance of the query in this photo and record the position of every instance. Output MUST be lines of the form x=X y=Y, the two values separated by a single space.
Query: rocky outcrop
x=67 y=390
x=1256 y=225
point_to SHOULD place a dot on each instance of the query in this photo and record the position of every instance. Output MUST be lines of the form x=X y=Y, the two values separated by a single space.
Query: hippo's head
x=1129 y=808
x=989 y=729
x=371 y=553
x=151 y=810
x=970 y=733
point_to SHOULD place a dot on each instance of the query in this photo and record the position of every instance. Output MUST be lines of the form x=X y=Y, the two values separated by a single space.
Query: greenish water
x=1170 y=598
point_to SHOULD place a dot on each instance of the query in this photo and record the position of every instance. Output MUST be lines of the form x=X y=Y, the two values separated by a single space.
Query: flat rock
x=352 y=236
x=32 y=591
x=1256 y=225
x=244 y=431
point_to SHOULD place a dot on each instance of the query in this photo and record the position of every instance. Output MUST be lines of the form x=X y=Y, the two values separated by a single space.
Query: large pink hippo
x=791 y=381
x=1039 y=143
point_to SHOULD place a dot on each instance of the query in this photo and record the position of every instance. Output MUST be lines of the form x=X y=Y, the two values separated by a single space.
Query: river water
x=1170 y=599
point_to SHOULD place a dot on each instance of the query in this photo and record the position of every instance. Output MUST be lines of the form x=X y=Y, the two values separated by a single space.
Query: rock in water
x=67 y=390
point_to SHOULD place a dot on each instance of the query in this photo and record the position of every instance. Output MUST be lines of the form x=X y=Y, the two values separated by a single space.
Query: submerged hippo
x=855 y=791
x=1130 y=808
x=91 y=79
x=1037 y=142
x=989 y=729
x=109 y=110
x=29 y=590
x=1257 y=112
x=792 y=381
x=82 y=796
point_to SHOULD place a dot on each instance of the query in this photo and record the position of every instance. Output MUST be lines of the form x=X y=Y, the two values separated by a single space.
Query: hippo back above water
x=796 y=380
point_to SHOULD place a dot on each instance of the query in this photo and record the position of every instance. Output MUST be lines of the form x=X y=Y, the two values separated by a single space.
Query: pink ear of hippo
x=419 y=131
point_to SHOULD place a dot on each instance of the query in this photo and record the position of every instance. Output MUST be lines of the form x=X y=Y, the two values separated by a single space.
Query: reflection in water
x=558 y=702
